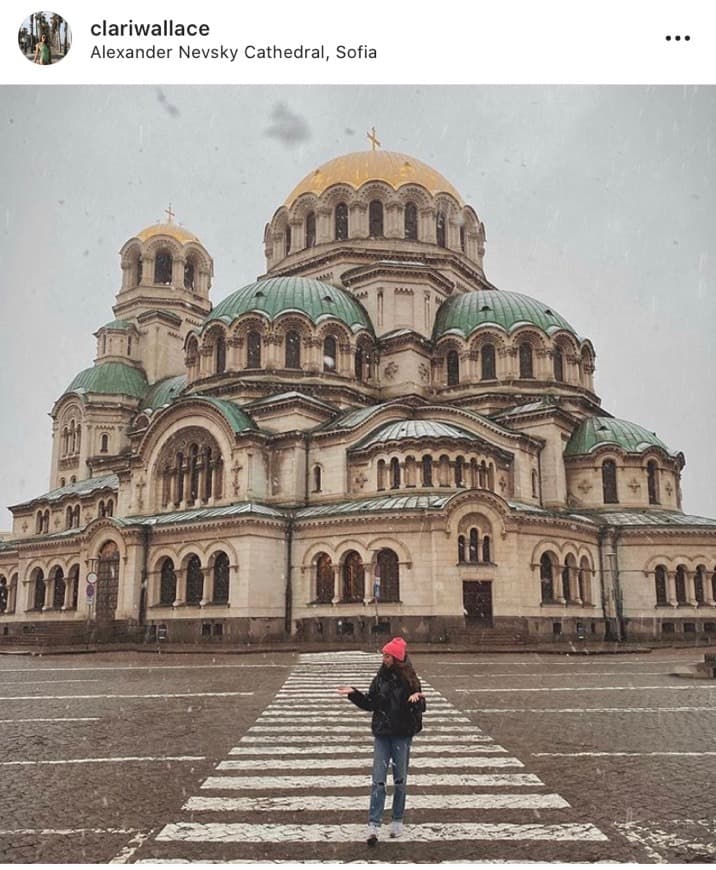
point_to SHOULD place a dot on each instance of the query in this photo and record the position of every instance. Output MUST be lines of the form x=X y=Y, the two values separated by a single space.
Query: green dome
x=163 y=392
x=275 y=296
x=111 y=378
x=463 y=313
x=596 y=432
x=411 y=430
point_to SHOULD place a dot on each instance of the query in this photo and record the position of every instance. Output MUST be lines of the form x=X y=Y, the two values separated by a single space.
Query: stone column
x=368 y=584
x=671 y=588
x=336 y=584
x=574 y=585
x=207 y=592
x=690 y=577
x=323 y=225
x=49 y=591
x=181 y=586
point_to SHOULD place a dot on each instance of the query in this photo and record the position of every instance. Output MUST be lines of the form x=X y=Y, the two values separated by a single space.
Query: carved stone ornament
x=584 y=485
x=634 y=485
x=424 y=372
x=360 y=480
x=390 y=371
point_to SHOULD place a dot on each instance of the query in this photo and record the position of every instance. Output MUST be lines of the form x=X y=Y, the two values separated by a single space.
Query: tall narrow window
x=609 y=482
x=293 y=350
x=194 y=581
x=462 y=239
x=167 y=583
x=680 y=582
x=220 y=355
x=358 y=364
x=329 y=354
x=193 y=473
x=558 y=362
x=535 y=490
x=486 y=553
x=473 y=551
x=487 y=360
x=525 y=356
x=189 y=275
x=39 y=597
x=660 y=585
x=440 y=234
x=375 y=219
x=460 y=471
x=287 y=241
x=311 y=230
x=253 y=350
x=58 y=593
x=139 y=270
x=546 y=578
x=411 y=221
x=453 y=368
x=461 y=548
x=208 y=472
x=316 y=478
x=353 y=576
x=163 y=268
x=341 y=218
x=699 y=585
x=381 y=474
x=104 y=444
x=394 y=473
x=427 y=469
x=652 y=473
x=179 y=488
x=221 y=578
x=388 y=570
x=324 y=579
x=129 y=345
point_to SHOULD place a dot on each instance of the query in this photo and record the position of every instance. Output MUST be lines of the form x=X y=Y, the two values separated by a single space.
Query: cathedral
x=370 y=439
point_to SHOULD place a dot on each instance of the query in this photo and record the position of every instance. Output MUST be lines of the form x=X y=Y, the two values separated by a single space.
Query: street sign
x=90 y=590
x=92 y=577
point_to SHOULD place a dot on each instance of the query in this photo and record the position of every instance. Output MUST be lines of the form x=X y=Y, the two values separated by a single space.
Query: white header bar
x=321 y=42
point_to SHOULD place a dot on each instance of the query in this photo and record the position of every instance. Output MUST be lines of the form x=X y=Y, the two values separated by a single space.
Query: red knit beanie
x=397 y=648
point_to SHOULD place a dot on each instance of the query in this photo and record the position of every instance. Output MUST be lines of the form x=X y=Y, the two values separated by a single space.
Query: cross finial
x=169 y=213
x=373 y=139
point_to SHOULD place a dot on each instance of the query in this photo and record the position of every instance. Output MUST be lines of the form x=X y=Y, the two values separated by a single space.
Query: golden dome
x=174 y=230
x=361 y=166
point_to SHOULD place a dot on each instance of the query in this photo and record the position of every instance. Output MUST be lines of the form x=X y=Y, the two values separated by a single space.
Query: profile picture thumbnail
x=44 y=38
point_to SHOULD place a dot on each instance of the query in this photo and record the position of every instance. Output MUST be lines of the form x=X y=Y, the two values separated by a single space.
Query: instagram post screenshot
x=358 y=491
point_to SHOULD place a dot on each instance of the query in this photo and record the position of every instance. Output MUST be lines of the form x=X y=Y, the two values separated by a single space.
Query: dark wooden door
x=477 y=601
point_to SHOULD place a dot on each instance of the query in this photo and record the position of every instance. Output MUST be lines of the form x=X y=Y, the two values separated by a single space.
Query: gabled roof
x=74 y=490
x=403 y=503
x=414 y=429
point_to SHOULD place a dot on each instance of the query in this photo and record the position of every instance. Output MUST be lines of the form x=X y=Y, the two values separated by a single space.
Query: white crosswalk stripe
x=296 y=786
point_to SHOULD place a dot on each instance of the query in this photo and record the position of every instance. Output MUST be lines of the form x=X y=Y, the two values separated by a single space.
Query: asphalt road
x=255 y=758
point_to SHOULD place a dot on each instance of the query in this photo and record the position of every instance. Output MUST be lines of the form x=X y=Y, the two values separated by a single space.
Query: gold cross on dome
x=169 y=212
x=373 y=139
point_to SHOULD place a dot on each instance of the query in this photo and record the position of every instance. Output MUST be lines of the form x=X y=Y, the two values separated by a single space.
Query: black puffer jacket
x=393 y=714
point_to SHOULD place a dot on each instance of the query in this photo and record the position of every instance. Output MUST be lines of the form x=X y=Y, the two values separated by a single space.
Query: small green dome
x=413 y=430
x=596 y=432
x=111 y=378
x=163 y=392
x=275 y=296
x=463 y=313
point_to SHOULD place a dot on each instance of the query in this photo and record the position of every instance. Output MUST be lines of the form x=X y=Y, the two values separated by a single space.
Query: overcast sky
x=599 y=201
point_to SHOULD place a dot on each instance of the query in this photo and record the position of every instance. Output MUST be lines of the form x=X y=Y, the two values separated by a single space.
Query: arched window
x=189 y=272
x=75 y=517
x=525 y=356
x=287 y=241
x=486 y=549
x=394 y=473
x=680 y=582
x=558 y=364
x=167 y=583
x=4 y=591
x=460 y=471
x=311 y=230
x=660 y=585
x=324 y=579
x=609 y=482
x=699 y=585
x=74 y=585
x=487 y=362
x=38 y=601
x=194 y=581
x=78 y=439
x=473 y=553
x=535 y=487
x=427 y=470
x=565 y=582
x=104 y=443
x=410 y=219
x=482 y=475
x=353 y=577
x=179 y=477
x=461 y=548
x=381 y=474
x=65 y=441
x=220 y=355
x=358 y=364
x=138 y=270
x=163 y=268
x=546 y=578
x=410 y=471
x=652 y=474
x=101 y=510
x=110 y=507
x=375 y=219
x=341 y=221
x=453 y=368
x=713 y=585
x=208 y=462
x=193 y=473
x=293 y=350
x=316 y=478
x=221 y=578
x=462 y=238
x=388 y=571
x=329 y=354
x=440 y=234
x=68 y=515
x=444 y=470
x=58 y=593
x=253 y=350
x=129 y=345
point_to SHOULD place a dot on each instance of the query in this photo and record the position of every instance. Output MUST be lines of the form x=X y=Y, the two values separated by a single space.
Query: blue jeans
x=387 y=749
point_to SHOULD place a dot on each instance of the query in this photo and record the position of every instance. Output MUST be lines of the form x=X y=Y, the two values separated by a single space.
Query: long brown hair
x=406 y=670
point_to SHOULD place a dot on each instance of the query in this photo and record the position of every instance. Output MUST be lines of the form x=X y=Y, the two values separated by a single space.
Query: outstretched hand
x=415 y=697
x=345 y=690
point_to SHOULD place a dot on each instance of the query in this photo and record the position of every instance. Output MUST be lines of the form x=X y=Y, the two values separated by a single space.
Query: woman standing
x=397 y=703
x=42 y=51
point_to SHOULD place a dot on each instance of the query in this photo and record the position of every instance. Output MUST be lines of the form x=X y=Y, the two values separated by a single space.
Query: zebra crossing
x=296 y=787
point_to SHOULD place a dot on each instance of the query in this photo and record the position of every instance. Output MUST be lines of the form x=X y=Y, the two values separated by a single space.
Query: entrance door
x=107 y=584
x=477 y=601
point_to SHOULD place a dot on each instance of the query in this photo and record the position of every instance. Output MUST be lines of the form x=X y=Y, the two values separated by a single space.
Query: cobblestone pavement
x=254 y=758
